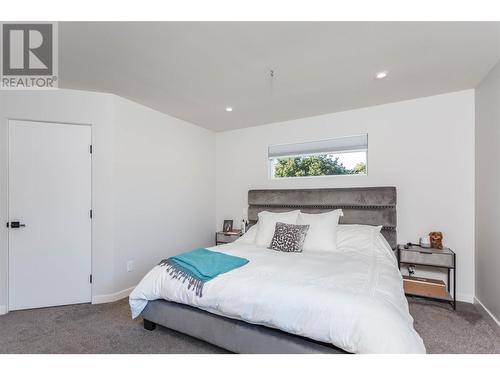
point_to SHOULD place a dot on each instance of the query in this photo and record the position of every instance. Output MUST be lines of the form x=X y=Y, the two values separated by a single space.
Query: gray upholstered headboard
x=366 y=205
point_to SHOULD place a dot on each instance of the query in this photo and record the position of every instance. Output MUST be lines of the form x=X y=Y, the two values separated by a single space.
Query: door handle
x=15 y=224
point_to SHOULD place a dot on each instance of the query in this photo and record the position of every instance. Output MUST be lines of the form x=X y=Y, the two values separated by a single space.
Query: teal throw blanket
x=199 y=266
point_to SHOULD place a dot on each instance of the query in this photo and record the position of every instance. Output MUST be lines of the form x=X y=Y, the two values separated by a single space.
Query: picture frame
x=227 y=226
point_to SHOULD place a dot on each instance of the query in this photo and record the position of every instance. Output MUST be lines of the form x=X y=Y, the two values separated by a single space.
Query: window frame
x=271 y=167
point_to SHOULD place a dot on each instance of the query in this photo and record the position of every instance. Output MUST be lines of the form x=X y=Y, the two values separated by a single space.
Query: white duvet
x=352 y=298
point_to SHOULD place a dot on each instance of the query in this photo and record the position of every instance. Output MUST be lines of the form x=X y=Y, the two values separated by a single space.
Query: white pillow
x=357 y=235
x=322 y=233
x=267 y=223
x=249 y=236
x=384 y=246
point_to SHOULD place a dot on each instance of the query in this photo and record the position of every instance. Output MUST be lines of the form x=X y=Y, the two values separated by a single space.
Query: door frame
x=7 y=203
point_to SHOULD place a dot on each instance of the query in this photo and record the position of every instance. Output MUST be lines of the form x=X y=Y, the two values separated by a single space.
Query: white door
x=50 y=194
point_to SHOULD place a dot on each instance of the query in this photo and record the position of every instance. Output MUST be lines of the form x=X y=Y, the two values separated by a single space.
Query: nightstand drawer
x=427 y=258
x=227 y=238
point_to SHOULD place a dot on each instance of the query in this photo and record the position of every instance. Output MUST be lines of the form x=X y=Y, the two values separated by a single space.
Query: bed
x=348 y=302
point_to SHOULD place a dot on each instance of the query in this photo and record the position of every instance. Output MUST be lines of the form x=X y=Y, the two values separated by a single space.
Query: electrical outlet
x=130 y=266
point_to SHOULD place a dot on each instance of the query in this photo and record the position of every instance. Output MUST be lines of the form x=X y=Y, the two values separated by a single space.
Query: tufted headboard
x=365 y=205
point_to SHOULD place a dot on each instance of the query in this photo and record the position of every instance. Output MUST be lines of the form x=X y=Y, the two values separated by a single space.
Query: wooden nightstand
x=438 y=258
x=223 y=237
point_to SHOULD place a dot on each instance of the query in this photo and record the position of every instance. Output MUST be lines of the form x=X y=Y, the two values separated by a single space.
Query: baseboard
x=106 y=298
x=3 y=310
x=465 y=298
x=492 y=320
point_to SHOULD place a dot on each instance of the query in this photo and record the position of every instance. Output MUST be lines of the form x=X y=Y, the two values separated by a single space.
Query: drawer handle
x=425 y=252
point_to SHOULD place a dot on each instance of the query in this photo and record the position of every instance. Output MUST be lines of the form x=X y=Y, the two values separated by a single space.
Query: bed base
x=149 y=325
x=231 y=334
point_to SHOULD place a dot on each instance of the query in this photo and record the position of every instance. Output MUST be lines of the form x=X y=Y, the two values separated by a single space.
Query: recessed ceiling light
x=381 y=75
x=229 y=109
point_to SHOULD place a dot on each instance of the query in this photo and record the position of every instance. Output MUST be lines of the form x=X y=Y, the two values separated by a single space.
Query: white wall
x=164 y=199
x=424 y=147
x=145 y=206
x=488 y=192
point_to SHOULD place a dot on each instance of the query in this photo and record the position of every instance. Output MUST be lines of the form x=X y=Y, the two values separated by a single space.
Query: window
x=329 y=157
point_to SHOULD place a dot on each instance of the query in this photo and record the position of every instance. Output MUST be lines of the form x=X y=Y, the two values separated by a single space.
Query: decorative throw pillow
x=267 y=225
x=289 y=237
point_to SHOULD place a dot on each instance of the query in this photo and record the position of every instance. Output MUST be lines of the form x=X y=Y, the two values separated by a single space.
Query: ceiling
x=194 y=70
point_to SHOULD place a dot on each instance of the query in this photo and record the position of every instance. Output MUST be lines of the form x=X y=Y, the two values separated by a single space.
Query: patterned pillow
x=289 y=237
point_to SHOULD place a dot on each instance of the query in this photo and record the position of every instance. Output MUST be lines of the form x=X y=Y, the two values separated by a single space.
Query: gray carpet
x=443 y=330
x=108 y=328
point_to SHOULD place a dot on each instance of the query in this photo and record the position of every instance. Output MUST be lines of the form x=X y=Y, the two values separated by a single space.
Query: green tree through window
x=317 y=165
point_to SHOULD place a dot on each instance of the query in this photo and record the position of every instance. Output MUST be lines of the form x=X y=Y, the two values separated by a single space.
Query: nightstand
x=436 y=258
x=223 y=237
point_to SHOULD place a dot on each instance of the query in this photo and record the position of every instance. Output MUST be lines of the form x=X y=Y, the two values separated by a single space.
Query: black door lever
x=15 y=224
